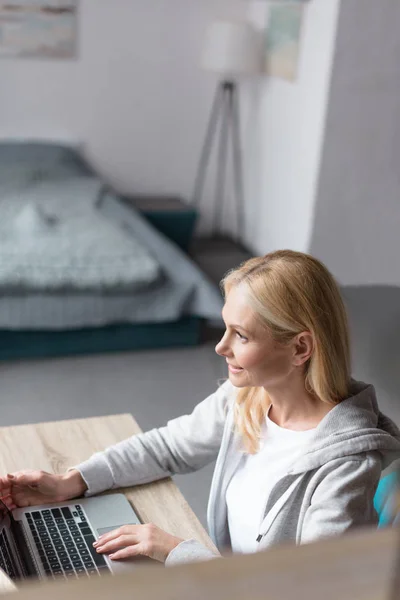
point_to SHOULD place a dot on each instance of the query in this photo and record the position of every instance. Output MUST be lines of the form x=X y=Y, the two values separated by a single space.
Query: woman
x=299 y=444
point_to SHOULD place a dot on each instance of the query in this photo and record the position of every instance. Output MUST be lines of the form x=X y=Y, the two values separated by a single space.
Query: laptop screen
x=5 y=515
x=7 y=556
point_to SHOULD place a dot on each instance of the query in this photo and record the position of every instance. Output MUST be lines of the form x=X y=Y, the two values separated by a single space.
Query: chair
x=387 y=500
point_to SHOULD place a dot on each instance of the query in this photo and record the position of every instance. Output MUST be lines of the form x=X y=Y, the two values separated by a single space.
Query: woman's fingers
x=125 y=530
x=11 y=484
x=117 y=543
x=9 y=502
x=5 y=492
x=26 y=478
x=5 y=486
x=126 y=552
x=132 y=540
x=23 y=497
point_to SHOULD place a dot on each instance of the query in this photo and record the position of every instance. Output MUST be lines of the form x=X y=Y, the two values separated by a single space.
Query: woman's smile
x=233 y=369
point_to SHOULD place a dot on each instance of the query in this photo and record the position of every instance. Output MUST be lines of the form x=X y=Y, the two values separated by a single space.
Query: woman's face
x=253 y=357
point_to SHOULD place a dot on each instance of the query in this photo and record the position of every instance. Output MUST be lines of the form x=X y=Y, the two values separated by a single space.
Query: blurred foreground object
x=359 y=566
x=6 y=585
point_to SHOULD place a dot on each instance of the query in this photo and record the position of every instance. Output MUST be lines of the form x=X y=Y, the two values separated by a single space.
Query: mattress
x=53 y=238
x=185 y=290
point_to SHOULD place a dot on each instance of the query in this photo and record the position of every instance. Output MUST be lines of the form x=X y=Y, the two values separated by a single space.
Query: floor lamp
x=231 y=49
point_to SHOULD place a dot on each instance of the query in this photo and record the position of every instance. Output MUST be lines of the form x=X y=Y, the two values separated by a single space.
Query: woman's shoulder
x=227 y=389
x=225 y=386
x=224 y=396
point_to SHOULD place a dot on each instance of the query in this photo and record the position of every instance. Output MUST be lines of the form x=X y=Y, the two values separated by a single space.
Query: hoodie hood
x=354 y=426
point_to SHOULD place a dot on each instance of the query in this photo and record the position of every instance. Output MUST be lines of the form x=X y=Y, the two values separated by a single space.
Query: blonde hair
x=292 y=292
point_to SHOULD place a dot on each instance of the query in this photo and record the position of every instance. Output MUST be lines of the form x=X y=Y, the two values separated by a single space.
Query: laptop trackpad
x=104 y=530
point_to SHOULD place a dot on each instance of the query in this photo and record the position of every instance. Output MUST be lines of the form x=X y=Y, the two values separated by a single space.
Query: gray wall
x=374 y=316
x=283 y=126
x=357 y=219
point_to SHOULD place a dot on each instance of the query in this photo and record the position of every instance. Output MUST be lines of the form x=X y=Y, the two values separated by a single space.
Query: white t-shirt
x=252 y=482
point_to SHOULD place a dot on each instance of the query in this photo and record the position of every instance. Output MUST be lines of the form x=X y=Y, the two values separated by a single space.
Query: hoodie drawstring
x=275 y=510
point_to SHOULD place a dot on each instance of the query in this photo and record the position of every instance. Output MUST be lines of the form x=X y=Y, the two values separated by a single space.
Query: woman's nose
x=221 y=348
x=218 y=348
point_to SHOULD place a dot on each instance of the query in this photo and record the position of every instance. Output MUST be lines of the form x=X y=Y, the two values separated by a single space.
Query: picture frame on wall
x=38 y=29
x=283 y=38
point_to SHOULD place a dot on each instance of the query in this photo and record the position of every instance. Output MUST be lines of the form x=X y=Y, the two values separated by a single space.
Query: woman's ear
x=303 y=348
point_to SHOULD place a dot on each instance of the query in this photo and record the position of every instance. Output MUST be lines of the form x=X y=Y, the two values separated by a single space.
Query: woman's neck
x=292 y=407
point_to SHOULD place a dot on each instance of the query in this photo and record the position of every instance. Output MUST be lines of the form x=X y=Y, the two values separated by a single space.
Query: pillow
x=40 y=160
x=15 y=177
x=32 y=221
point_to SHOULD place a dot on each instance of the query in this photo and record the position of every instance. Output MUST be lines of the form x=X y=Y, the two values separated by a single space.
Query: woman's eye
x=240 y=336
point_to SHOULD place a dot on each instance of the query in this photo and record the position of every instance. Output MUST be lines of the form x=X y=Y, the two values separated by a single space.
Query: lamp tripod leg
x=237 y=164
x=207 y=146
x=222 y=160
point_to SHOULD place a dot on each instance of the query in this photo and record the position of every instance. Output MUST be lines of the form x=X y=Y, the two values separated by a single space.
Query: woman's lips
x=233 y=369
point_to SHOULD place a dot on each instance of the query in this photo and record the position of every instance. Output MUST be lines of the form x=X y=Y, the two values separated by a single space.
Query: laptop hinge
x=26 y=559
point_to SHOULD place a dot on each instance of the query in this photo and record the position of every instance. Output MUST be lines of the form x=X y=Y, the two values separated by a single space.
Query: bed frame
x=115 y=338
x=97 y=340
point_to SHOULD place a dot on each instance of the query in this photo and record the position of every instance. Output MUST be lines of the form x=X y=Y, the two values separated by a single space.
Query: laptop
x=56 y=540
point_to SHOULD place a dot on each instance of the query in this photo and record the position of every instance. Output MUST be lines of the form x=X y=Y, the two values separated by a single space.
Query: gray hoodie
x=325 y=492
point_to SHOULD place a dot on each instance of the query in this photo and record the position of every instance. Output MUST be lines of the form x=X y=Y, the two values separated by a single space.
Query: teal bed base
x=115 y=338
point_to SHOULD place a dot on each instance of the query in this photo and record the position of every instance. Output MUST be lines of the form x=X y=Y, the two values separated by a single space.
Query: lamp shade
x=232 y=48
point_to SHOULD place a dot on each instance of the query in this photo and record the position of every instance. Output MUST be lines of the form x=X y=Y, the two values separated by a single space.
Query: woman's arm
x=184 y=445
x=343 y=499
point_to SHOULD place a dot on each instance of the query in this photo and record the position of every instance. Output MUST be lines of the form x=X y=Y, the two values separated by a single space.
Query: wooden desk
x=56 y=446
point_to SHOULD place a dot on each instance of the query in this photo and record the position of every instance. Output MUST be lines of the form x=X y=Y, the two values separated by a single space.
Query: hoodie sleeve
x=343 y=499
x=184 y=445
x=189 y=551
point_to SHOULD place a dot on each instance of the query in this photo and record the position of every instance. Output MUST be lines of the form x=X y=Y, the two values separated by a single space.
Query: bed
x=123 y=285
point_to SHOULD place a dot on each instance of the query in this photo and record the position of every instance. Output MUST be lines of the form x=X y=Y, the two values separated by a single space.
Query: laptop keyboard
x=6 y=558
x=64 y=541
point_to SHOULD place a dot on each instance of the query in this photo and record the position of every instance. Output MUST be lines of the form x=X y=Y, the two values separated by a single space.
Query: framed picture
x=283 y=37
x=38 y=28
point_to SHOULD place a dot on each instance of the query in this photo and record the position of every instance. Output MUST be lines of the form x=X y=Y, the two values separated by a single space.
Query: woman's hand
x=30 y=488
x=137 y=540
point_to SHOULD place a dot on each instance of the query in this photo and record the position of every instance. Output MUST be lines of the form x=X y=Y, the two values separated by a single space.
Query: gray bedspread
x=53 y=238
x=185 y=290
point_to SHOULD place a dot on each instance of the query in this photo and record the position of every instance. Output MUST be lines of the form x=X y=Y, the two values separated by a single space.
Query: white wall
x=357 y=220
x=136 y=96
x=284 y=129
